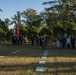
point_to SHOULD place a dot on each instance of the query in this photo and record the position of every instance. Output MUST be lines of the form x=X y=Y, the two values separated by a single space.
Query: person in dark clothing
x=40 y=42
x=32 y=39
x=46 y=40
x=13 y=41
x=43 y=43
x=45 y=37
x=73 y=42
x=37 y=40
x=20 y=39
x=63 y=42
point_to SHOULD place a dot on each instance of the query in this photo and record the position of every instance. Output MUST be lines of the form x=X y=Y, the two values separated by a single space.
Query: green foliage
x=58 y=18
x=2 y=31
x=32 y=31
x=3 y=26
x=45 y=30
x=71 y=29
x=65 y=16
x=32 y=18
x=50 y=18
x=9 y=35
x=58 y=29
x=16 y=19
x=2 y=34
x=23 y=30
x=7 y=22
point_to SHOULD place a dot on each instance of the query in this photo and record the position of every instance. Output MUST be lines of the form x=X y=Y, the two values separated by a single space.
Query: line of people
x=68 y=41
x=17 y=40
x=40 y=40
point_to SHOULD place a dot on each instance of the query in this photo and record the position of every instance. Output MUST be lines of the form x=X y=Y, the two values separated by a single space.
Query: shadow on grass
x=27 y=50
x=53 y=68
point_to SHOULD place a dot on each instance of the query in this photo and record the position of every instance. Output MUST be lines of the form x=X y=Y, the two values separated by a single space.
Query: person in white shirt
x=58 y=41
x=68 y=41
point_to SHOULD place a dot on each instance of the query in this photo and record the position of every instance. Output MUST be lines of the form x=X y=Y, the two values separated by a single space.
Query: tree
x=32 y=31
x=58 y=29
x=23 y=30
x=2 y=34
x=0 y=10
x=3 y=26
x=9 y=35
x=32 y=18
x=16 y=19
x=1 y=31
x=7 y=22
x=50 y=18
x=45 y=30
x=71 y=29
x=65 y=12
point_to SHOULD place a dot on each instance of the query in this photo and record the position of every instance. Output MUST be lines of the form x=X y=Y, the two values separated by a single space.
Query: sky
x=10 y=7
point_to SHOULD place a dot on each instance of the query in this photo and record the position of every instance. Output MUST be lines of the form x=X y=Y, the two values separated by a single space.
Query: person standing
x=58 y=41
x=73 y=42
x=68 y=40
x=37 y=39
x=17 y=40
x=45 y=37
x=20 y=39
x=63 y=42
x=40 y=39
x=43 y=43
x=32 y=39
x=13 y=40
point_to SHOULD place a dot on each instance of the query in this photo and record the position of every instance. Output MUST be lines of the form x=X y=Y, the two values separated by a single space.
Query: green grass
x=59 y=61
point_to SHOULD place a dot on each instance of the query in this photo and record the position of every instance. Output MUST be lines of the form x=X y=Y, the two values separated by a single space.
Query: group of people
x=40 y=40
x=17 y=40
x=66 y=41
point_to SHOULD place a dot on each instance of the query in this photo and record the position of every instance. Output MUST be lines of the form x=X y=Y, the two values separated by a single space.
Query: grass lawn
x=59 y=61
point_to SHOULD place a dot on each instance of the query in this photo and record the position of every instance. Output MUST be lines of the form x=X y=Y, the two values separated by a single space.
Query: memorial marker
x=2 y=56
x=17 y=50
x=13 y=52
x=41 y=69
x=41 y=62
